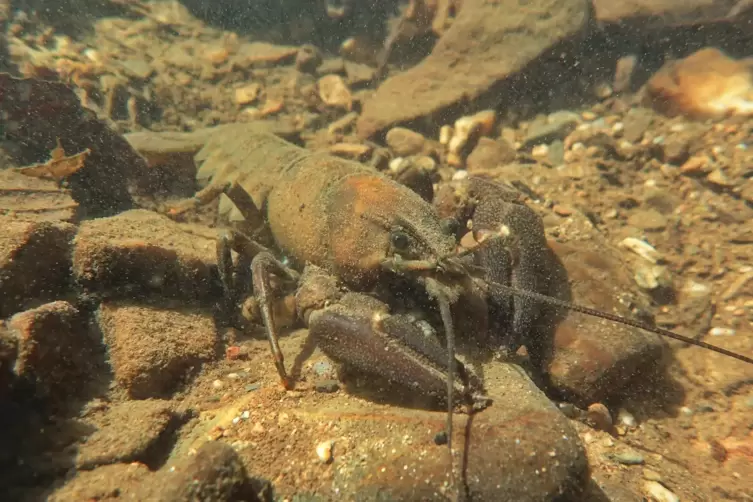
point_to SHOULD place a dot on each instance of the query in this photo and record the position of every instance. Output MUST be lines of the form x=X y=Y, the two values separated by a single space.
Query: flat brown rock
x=152 y=351
x=708 y=83
x=106 y=483
x=28 y=197
x=54 y=348
x=215 y=472
x=34 y=260
x=595 y=359
x=665 y=12
x=489 y=41
x=521 y=448
x=142 y=251
x=128 y=432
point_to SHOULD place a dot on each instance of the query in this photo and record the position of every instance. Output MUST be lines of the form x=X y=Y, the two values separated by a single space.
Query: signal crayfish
x=377 y=270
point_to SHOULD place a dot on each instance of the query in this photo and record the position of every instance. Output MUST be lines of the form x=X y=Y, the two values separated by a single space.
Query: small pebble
x=396 y=164
x=440 y=438
x=651 y=475
x=404 y=142
x=625 y=418
x=327 y=386
x=445 y=134
x=598 y=415
x=719 y=177
x=569 y=410
x=217 y=384
x=322 y=368
x=460 y=175
x=704 y=407
x=629 y=458
x=719 y=331
x=252 y=387
x=695 y=165
x=717 y=451
x=562 y=210
x=247 y=94
x=658 y=493
x=324 y=451
x=686 y=411
x=233 y=352
x=540 y=151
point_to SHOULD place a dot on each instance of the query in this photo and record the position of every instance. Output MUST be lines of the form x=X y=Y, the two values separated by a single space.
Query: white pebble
x=91 y=54
x=719 y=331
x=445 y=134
x=625 y=418
x=324 y=451
x=245 y=415
x=540 y=151
x=396 y=164
x=641 y=248
x=460 y=175
x=657 y=492
x=696 y=289
x=217 y=384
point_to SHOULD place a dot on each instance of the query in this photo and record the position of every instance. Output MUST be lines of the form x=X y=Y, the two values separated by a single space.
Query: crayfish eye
x=400 y=240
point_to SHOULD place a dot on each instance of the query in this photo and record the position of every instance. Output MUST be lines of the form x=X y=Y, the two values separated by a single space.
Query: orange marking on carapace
x=372 y=191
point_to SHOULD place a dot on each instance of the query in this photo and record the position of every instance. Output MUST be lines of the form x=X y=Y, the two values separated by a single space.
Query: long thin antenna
x=444 y=309
x=619 y=319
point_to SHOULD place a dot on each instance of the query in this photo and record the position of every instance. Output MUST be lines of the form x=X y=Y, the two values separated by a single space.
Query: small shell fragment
x=324 y=451
x=333 y=91
x=642 y=249
x=445 y=134
x=658 y=493
x=719 y=331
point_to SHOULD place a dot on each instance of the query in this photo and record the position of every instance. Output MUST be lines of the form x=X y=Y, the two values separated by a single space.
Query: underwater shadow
x=581 y=362
x=41 y=421
x=296 y=22
x=72 y=17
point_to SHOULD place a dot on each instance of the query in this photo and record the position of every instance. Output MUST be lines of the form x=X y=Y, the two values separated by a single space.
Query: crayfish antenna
x=616 y=318
x=444 y=309
x=444 y=297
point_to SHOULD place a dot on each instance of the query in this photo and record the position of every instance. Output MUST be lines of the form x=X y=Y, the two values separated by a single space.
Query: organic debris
x=58 y=167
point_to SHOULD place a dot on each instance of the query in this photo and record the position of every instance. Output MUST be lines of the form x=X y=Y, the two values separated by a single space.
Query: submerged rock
x=153 y=350
x=489 y=41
